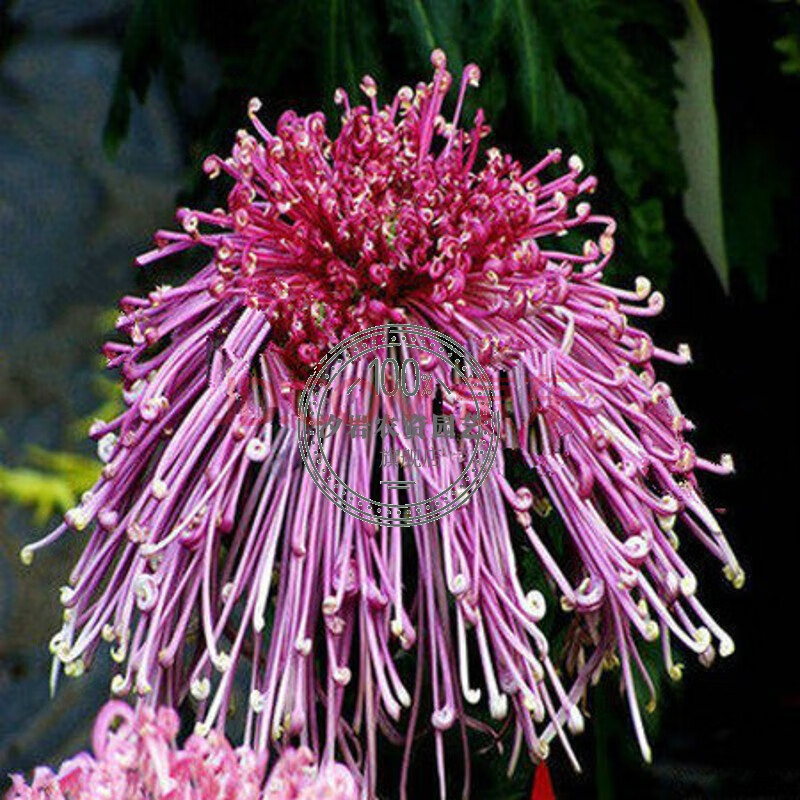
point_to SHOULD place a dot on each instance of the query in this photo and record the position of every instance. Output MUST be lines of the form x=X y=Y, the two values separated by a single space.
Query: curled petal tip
x=439 y=59
x=575 y=163
x=472 y=73
x=369 y=86
x=498 y=706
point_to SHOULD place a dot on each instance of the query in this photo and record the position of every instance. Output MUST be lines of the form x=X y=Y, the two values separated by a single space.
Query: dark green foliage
x=758 y=133
x=153 y=37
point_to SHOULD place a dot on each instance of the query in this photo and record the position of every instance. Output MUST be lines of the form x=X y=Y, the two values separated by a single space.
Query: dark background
x=72 y=216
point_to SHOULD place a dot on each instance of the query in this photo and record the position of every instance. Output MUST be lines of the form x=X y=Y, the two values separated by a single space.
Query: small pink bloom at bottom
x=136 y=756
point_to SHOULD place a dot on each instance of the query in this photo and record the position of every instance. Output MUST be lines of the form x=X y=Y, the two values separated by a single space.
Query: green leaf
x=78 y=472
x=484 y=20
x=551 y=109
x=623 y=72
x=789 y=47
x=364 y=52
x=152 y=40
x=755 y=180
x=696 y=120
x=52 y=483
x=428 y=25
x=350 y=47
x=333 y=46
x=788 y=44
x=44 y=494
x=133 y=74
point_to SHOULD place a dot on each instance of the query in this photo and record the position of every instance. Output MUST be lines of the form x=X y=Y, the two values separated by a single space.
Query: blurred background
x=687 y=113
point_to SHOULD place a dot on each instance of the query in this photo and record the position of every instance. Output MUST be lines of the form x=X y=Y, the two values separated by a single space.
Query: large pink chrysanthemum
x=209 y=544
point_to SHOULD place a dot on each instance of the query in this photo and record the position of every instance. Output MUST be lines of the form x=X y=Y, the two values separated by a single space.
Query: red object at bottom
x=542 y=785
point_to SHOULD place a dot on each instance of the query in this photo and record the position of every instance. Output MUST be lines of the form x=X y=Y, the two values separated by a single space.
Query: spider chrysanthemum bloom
x=209 y=544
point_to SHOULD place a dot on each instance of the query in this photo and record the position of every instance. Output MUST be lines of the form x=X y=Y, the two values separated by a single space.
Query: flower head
x=136 y=755
x=209 y=545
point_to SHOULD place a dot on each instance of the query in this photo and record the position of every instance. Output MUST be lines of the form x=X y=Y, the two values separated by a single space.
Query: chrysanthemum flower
x=136 y=756
x=209 y=546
